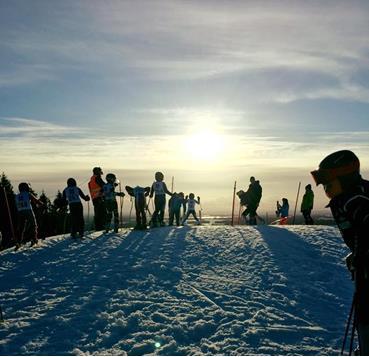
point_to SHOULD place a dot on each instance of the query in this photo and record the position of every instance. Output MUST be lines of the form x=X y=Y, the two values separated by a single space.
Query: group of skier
x=339 y=173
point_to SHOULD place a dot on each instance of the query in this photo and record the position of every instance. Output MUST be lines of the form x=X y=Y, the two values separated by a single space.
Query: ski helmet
x=191 y=196
x=23 y=187
x=308 y=187
x=111 y=178
x=159 y=176
x=97 y=171
x=343 y=164
x=71 y=182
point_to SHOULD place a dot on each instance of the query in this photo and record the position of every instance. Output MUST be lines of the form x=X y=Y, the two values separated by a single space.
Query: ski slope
x=178 y=291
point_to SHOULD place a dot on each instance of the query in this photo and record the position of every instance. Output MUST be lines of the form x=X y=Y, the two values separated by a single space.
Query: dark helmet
x=97 y=171
x=343 y=164
x=111 y=178
x=159 y=176
x=191 y=196
x=71 y=182
x=23 y=187
x=308 y=187
x=252 y=179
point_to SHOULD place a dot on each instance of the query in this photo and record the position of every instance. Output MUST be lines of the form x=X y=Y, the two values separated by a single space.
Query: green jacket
x=307 y=200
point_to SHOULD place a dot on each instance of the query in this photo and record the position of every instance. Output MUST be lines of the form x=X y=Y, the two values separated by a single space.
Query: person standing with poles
x=96 y=187
x=339 y=173
x=307 y=204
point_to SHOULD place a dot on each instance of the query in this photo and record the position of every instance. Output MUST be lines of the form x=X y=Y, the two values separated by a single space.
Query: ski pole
x=9 y=214
x=348 y=324
x=1 y=315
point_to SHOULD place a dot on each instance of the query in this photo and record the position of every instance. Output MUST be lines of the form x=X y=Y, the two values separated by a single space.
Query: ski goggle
x=324 y=176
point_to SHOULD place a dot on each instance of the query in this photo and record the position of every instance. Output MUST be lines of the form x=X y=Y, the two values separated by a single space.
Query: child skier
x=307 y=204
x=191 y=204
x=110 y=201
x=160 y=189
x=96 y=186
x=72 y=194
x=282 y=211
x=339 y=173
x=27 y=226
x=140 y=194
x=175 y=204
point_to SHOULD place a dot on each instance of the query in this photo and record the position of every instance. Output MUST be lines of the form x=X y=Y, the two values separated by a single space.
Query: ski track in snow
x=178 y=291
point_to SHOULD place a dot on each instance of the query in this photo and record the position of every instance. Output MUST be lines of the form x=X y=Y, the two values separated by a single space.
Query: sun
x=205 y=145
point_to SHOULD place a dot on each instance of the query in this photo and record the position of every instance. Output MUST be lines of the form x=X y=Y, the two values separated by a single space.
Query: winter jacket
x=351 y=213
x=307 y=201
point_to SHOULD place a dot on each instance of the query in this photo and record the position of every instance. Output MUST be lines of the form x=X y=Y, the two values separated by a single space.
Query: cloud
x=191 y=40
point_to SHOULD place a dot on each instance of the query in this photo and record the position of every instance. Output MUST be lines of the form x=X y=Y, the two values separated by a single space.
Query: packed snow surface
x=178 y=291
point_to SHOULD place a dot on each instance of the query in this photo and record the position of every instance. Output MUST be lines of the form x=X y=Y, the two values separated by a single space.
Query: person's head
x=111 y=178
x=181 y=194
x=191 y=196
x=252 y=179
x=159 y=176
x=338 y=172
x=308 y=187
x=285 y=201
x=23 y=187
x=97 y=171
x=71 y=182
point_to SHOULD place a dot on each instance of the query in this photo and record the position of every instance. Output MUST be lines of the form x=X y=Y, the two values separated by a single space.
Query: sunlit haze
x=208 y=92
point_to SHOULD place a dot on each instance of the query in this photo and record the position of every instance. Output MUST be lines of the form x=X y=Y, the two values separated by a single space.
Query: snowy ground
x=169 y=291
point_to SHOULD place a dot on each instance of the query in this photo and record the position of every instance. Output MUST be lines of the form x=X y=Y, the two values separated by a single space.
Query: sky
x=208 y=92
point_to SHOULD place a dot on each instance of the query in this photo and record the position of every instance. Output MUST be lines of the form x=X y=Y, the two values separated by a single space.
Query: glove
x=198 y=198
x=88 y=198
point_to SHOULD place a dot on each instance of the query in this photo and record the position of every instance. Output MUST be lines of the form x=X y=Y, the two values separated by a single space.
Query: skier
x=140 y=194
x=27 y=226
x=72 y=194
x=96 y=186
x=111 y=205
x=175 y=204
x=160 y=189
x=251 y=199
x=282 y=211
x=339 y=173
x=307 y=204
x=191 y=204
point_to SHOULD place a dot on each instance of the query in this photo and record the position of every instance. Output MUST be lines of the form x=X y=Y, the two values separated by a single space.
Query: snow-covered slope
x=188 y=290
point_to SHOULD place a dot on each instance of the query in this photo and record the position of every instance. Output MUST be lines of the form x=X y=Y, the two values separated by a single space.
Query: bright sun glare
x=206 y=145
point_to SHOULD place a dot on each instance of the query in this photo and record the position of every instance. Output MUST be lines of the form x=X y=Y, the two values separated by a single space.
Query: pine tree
x=5 y=182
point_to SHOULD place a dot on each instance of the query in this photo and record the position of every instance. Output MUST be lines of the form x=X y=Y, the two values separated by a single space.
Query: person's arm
x=166 y=190
x=152 y=191
x=35 y=200
x=100 y=182
x=130 y=190
x=81 y=194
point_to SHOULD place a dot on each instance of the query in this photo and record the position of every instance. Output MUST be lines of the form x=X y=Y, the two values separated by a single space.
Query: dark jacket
x=351 y=213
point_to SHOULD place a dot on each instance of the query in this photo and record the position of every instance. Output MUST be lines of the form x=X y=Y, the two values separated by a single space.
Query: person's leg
x=177 y=212
x=162 y=209
x=81 y=220
x=116 y=216
x=108 y=215
x=186 y=217
x=73 y=219
x=362 y=309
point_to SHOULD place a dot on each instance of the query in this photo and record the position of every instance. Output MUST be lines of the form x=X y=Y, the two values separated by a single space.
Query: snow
x=178 y=291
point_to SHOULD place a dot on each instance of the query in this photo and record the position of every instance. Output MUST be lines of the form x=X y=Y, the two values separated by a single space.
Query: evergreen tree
x=4 y=182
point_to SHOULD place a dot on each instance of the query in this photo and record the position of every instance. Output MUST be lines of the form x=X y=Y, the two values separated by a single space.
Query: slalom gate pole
x=121 y=201
x=172 y=184
x=234 y=198
x=297 y=198
x=9 y=214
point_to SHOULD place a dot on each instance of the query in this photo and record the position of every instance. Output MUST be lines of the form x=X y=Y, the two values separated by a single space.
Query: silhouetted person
x=175 y=203
x=191 y=205
x=339 y=173
x=307 y=204
x=140 y=194
x=282 y=210
x=96 y=187
x=251 y=199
